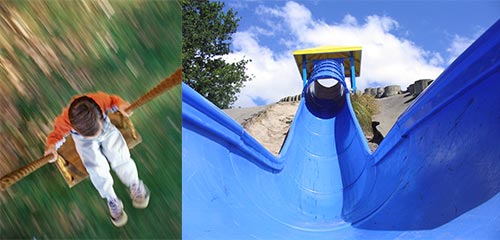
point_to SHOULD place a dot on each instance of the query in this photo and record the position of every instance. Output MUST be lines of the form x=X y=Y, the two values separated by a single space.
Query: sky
x=402 y=41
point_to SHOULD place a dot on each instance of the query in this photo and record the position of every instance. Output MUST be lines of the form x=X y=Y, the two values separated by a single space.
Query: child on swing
x=98 y=142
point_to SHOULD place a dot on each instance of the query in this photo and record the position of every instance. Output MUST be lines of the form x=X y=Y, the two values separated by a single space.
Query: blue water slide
x=436 y=175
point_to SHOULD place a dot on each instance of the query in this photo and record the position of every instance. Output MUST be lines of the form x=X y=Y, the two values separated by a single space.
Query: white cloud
x=350 y=20
x=386 y=58
x=458 y=45
x=275 y=75
x=262 y=31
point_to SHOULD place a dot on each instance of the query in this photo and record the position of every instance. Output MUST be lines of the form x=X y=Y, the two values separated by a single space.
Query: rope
x=13 y=177
x=169 y=82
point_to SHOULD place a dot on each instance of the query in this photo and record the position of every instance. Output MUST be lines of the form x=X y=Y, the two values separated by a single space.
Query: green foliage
x=364 y=107
x=206 y=33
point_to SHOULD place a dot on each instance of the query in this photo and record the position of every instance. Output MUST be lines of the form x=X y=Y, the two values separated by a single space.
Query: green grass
x=364 y=107
x=148 y=36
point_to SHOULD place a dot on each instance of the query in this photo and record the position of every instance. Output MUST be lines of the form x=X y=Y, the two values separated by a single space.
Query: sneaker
x=118 y=216
x=140 y=195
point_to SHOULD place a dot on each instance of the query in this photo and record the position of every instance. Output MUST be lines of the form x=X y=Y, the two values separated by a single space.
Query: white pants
x=110 y=147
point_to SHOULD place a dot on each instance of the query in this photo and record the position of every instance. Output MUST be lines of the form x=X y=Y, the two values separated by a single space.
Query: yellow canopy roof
x=330 y=52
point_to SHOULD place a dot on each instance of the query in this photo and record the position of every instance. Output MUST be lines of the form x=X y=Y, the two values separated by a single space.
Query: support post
x=304 y=69
x=353 y=74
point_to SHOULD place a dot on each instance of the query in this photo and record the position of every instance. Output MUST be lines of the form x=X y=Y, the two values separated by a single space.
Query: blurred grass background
x=52 y=50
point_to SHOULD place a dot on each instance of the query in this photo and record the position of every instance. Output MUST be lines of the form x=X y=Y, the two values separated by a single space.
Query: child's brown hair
x=85 y=115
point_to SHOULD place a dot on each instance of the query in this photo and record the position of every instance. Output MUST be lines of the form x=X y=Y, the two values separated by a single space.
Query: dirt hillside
x=269 y=124
x=390 y=108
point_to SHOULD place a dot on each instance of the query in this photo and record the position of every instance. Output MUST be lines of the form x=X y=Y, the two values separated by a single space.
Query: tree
x=207 y=33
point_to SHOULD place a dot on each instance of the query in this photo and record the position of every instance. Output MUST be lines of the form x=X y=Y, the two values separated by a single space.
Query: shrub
x=364 y=107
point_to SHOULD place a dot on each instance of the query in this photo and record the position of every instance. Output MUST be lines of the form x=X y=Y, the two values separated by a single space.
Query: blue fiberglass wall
x=442 y=149
x=436 y=174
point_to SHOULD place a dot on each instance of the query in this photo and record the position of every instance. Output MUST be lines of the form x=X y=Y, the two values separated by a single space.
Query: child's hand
x=51 y=150
x=122 y=107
